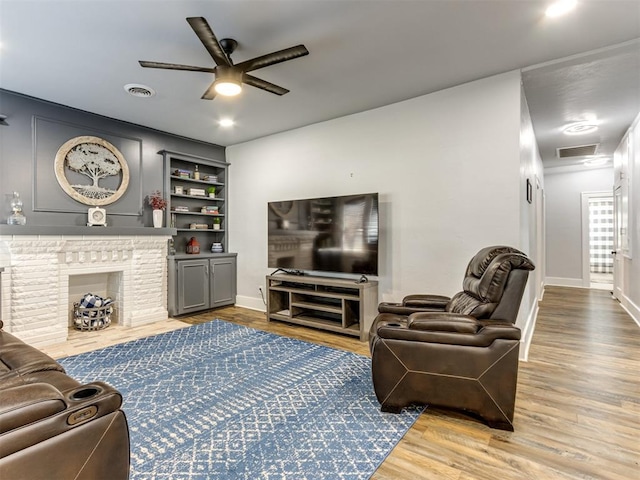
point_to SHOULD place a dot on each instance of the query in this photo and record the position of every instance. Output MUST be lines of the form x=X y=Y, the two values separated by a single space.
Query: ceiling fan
x=229 y=77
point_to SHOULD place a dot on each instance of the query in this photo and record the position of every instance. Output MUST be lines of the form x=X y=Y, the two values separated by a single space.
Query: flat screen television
x=330 y=234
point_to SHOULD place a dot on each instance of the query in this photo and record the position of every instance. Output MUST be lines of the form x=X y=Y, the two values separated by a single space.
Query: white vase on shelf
x=157 y=218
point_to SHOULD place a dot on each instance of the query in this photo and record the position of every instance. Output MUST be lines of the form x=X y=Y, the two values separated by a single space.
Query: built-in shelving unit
x=191 y=213
x=337 y=305
x=206 y=280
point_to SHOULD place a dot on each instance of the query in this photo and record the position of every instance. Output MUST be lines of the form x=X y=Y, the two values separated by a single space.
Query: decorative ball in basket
x=92 y=312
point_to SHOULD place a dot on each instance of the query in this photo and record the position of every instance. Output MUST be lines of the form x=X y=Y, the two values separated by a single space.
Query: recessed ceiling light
x=226 y=122
x=138 y=90
x=580 y=128
x=560 y=8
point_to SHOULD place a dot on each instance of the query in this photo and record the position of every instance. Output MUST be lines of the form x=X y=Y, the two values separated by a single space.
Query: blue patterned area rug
x=223 y=401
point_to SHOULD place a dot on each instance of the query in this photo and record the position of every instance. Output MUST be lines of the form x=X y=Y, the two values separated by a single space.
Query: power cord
x=262 y=296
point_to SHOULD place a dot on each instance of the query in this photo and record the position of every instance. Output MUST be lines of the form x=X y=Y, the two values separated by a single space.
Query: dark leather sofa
x=460 y=352
x=51 y=426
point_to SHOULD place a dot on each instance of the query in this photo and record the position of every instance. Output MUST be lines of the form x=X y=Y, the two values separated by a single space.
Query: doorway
x=597 y=240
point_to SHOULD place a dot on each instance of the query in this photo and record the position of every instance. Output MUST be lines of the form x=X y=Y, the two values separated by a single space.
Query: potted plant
x=211 y=191
x=216 y=223
x=157 y=202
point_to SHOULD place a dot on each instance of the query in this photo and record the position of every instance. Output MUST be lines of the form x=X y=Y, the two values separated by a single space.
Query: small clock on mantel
x=97 y=217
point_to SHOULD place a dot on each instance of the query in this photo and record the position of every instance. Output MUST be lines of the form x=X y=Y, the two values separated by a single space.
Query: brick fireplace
x=37 y=270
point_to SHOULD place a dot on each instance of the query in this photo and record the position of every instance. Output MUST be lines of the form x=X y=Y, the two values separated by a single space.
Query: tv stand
x=333 y=304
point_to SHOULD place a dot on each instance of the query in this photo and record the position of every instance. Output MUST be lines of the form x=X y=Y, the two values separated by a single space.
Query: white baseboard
x=527 y=333
x=631 y=308
x=252 y=303
x=564 y=282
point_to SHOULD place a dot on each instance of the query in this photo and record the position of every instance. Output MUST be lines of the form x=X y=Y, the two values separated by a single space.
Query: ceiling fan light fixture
x=227 y=87
x=228 y=81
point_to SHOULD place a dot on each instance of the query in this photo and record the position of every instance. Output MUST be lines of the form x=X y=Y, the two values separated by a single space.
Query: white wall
x=531 y=223
x=630 y=298
x=564 y=221
x=447 y=167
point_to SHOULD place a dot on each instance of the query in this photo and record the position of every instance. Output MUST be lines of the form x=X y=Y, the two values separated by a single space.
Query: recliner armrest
x=425 y=301
x=26 y=404
x=443 y=322
x=415 y=303
x=433 y=327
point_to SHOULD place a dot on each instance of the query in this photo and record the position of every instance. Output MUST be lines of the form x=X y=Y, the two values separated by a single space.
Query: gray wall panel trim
x=48 y=196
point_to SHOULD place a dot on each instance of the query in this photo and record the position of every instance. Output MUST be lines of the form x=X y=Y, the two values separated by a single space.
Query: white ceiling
x=363 y=54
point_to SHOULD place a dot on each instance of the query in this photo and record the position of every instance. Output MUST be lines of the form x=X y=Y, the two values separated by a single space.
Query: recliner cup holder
x=394 y=324
x=85 y=393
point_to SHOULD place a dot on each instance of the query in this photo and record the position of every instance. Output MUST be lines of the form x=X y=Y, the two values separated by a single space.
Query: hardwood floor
x=577 y=410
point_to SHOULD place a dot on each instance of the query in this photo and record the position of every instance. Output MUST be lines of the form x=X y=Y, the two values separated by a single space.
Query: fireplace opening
x=104 y=285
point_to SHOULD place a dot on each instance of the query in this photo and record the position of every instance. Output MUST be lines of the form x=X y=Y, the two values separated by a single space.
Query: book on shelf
x=178 y=172
x=180 y=208
x=198 y=226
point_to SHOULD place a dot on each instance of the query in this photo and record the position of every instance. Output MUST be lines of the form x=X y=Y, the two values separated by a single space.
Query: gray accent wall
x=36 y=131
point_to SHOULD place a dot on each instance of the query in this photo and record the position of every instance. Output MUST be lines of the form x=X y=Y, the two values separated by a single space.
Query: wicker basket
x=92 y=318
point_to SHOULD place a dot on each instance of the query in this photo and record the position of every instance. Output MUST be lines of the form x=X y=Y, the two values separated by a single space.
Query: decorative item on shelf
x=158 y=217
x=180 y=208
x=16 y=217
x=216 y=223
x=193 y=246
x=96 y=216
x=212 y=192
x=216 y=247
x=178 y=190
x=196 y=174
x=158 y=204
x=196 y=192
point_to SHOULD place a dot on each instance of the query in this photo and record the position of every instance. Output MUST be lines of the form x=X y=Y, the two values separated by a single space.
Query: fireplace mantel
x=83 y=230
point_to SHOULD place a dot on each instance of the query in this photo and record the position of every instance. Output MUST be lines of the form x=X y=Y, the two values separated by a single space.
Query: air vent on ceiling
x=579 y=151
x=138 y=90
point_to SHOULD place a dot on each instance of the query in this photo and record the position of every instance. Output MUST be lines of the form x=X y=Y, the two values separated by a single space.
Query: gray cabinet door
x=223 y=281
x=193 y=285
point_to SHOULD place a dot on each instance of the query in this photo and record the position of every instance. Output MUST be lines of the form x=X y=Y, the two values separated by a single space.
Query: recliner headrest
x=484 y=257
x=488 y=287
x=485 y=280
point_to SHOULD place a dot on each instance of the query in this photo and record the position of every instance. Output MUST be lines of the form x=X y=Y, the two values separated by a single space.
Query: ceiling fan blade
x=210 y=94
x=263 y=84
x=273 y=58
x=209 y=40
x=175 y=66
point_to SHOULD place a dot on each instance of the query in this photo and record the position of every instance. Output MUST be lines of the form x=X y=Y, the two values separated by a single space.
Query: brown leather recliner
x=459 y=352
x=52 y=426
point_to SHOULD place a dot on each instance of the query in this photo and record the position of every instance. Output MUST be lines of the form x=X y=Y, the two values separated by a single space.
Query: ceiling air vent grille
x=138 y=90
x=579 y=151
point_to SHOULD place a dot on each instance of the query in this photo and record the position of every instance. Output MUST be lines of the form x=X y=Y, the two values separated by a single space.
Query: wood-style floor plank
x=577 y=409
